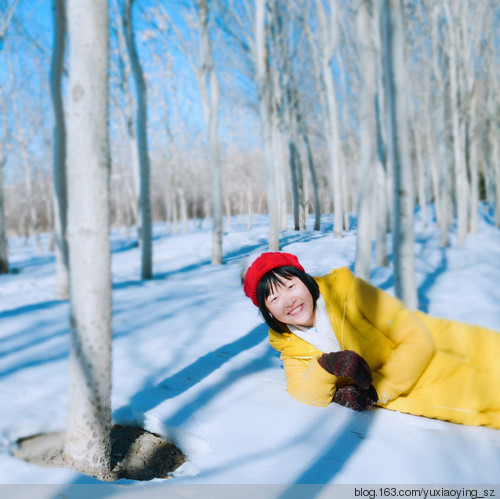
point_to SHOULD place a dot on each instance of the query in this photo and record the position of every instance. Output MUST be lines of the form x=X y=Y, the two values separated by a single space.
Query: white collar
x=322 y=335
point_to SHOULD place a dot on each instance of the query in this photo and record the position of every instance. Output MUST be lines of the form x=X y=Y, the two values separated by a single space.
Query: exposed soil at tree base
x=136 y=454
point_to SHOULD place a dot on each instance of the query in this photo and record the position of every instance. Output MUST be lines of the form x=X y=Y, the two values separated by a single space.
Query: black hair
x=274 y=278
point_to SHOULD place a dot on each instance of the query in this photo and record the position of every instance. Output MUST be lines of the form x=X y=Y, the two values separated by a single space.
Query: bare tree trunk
x=368 y=135
x=207 y=76
x=382 y=215
x=421 y=183
x=329 y=37
x=88 y=445
x=381 y=252
x=142 y=139
x=134 y=192
x=249 y=205
x=473 y=166
x=403 y=247
x=460 y=170
x=314 y=182
x=32 y=214
x=279 y=165
x=227 y=203
x=264 y=89
x=183 y=208
x=60 y=188
x=494 y=160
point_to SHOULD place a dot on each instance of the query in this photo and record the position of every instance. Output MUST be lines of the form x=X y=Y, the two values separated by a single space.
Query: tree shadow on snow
x=337 y=452
x=189 y=376
x=429 y=281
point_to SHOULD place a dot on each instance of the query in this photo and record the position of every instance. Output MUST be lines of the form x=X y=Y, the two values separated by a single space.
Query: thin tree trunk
x=128 y=115
x=183 y=208
x=88 y=446
x=249 y=205
x=329 y=33
x=263 y=87
x=460 y=170
x=279 y=163
x=473 y=166
x=60 y=187
x=495 y=157
x=210 y=97
x=314 y=182
x=403 y=246
x=420 y=167
x=381 y=253
x=368 y=135
x=142 y=140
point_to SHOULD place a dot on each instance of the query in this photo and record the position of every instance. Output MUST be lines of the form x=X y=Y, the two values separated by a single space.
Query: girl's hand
x=347 y=364
x=356 y=398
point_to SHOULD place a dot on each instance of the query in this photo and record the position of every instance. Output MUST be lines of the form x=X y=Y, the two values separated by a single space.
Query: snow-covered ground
x=191 y=361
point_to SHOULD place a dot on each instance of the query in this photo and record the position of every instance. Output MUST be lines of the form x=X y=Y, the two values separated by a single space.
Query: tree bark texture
x=329 y=38
x=403 y=245
x=87 y=444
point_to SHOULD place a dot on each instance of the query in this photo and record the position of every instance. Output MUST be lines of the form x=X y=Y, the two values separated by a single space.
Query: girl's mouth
x=296 y=310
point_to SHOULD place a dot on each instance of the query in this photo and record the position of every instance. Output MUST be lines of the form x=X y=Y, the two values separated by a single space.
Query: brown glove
x=356 y=398
x=347 y=364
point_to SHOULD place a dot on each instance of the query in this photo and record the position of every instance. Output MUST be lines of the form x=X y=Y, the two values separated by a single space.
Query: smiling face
x=291 y=303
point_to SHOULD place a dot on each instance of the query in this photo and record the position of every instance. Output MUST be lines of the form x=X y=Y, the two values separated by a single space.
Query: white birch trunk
x=473 y=166
x=314 y=182
x=32 y=214
x=433 y=158
x=128 y=116
x=249 y=205
x=329 y=37
x=263 y=88
x=279 y=165
x=87 y=445
x=381 y=253
x=460 y=170
x=437 y=132
x=60 y=187
x=368 y=134
x=403 y=246
x=382 y=174
x=183 y=208
x=421 y=176
x=495 y=160
x=207 y=77
x=142 y=142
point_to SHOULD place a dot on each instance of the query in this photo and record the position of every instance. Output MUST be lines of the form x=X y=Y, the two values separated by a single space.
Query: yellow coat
x=421 y=365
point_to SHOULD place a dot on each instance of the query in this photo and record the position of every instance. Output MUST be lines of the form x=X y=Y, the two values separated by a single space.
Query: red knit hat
x=263 y=264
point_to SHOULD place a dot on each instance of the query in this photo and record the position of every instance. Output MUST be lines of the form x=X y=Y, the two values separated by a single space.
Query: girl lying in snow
x=342 y=339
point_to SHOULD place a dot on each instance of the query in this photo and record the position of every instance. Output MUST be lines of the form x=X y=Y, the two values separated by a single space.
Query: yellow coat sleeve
x=412 y=345
x=308 y=382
